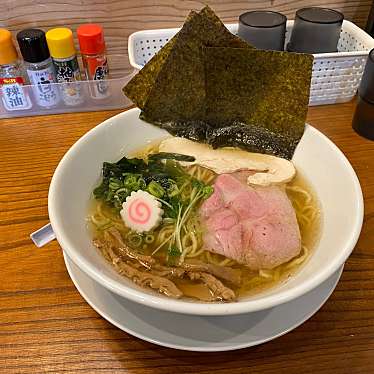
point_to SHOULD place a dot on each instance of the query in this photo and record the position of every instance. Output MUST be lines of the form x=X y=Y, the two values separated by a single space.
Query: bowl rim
x=186 y=307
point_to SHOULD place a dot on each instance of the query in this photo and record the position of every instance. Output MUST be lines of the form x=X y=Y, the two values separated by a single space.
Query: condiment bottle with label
x=92 y=46
x=39 y=66
x=12 y=78
x=61 y=47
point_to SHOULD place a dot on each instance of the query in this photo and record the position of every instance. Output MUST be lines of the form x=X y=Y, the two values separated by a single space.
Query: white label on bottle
x=46 y=94
x=13 y=95
x=100 y=89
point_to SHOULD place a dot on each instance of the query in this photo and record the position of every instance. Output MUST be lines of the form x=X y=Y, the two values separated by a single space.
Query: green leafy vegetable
x=173 y=189
x=149 y=238
x=155 y=189
x=164 y=178
x=161 y=176
x=134 y=239
x=173 y=255
x=173 y=156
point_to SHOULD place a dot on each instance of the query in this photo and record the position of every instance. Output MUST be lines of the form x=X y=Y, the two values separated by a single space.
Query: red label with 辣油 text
x=13 y=95
x=18 y=80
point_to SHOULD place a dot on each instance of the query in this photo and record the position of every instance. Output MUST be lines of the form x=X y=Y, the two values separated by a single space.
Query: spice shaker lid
x=366 y=88
x=8 y=53
x=33 y=45
x=60 y=42
x=91 y=39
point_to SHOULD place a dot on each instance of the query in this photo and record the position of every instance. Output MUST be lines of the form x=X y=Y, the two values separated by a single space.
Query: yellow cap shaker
x=60 y=42
x=8 y=53
x=61 y=47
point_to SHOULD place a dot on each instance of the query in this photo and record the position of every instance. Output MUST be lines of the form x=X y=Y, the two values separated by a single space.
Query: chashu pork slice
x=253 y=225
x=265 y=169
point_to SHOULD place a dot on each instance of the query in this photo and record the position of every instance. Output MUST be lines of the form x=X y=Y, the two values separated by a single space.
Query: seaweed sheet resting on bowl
x=272 y=97
x=181 y=57
x=262 y=96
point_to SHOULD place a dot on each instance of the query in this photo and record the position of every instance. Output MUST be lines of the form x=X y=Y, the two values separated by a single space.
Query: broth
x=308 y=215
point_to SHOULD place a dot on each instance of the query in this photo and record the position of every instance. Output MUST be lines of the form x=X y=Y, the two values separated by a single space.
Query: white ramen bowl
x=319 y=160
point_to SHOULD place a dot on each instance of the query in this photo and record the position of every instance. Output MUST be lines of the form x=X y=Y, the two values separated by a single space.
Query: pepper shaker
x=39 y=66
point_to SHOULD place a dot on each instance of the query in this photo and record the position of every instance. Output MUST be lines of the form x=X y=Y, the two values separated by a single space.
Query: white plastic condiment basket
x=335 y=78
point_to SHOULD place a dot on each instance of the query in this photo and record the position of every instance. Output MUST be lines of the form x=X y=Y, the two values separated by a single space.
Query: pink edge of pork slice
x=253 y=225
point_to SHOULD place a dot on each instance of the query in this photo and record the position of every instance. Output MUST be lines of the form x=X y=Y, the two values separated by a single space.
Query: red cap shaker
x=92 y=47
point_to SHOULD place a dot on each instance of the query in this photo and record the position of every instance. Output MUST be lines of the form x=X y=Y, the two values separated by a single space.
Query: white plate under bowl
x=194 y=333
x=316 y=157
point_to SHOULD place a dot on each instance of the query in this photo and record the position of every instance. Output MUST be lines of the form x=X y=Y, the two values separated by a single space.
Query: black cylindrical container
x=263 y=29
x=316 y=30
x=363 y=119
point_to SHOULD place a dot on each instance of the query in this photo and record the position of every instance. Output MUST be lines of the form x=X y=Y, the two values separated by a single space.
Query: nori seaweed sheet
x=139 y=87
x=179 y=91
x=249 y=137
x=266 y=88
x=213 y=87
